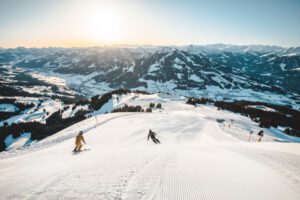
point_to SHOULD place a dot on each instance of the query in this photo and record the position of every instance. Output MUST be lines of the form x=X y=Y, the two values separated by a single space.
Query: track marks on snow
x=145 y=183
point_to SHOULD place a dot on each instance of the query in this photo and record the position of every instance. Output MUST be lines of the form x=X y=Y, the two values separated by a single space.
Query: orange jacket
x=79 y=139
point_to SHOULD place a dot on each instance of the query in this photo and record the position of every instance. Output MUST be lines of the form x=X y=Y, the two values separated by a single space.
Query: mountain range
x=216 y=71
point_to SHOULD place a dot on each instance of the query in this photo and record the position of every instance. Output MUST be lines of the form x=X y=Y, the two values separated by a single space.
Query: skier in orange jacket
x=78 y=141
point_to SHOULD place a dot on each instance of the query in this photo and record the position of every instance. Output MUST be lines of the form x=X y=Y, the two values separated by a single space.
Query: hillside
x=198 y=158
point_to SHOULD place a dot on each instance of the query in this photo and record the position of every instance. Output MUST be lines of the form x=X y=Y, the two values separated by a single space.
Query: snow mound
x=15 y=143
x=6 y=107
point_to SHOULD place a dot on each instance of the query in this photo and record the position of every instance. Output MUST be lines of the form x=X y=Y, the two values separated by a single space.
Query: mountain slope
x=196 y=160
x=218 y=70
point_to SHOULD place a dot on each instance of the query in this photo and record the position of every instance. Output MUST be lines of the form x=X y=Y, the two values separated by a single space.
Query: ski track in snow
x=196 y=160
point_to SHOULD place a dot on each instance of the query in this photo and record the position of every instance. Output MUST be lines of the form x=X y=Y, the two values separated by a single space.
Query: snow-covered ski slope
x=196 y=160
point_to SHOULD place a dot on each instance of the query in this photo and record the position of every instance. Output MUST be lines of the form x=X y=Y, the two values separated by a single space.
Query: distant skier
x=78 y=141
x=260 y=134
x=152 y=135
x=251 y=132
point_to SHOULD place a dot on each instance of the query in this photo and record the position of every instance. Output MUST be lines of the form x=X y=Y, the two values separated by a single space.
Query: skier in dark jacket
x=260 y=134
x=152 y=135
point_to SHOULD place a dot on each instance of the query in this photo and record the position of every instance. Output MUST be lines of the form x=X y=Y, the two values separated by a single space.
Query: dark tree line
x=152 y=105
x=38 y=130
x=21 y=107
x=10 y=91
x=194 y=101
x=127 y=108
x=283 y=116
x=97 y=102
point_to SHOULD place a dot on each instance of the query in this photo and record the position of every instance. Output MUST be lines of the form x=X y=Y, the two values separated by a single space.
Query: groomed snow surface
x=196 y=159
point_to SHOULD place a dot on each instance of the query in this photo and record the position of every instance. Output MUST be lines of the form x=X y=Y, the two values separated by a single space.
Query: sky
x=72 y=23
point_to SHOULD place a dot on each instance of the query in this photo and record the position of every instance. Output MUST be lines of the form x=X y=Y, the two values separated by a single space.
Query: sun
x=103 y=25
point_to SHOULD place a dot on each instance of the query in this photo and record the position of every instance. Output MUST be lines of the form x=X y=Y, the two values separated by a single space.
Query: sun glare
x=103 y=25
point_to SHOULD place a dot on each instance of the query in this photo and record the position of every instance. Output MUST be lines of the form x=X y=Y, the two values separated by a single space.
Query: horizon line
x=140 y=45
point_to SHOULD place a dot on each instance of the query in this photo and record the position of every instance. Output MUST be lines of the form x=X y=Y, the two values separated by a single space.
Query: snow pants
x=77 y=147
x=155 y=140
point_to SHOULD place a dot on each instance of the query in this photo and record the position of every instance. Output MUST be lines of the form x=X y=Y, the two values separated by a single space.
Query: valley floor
x=196 y=160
